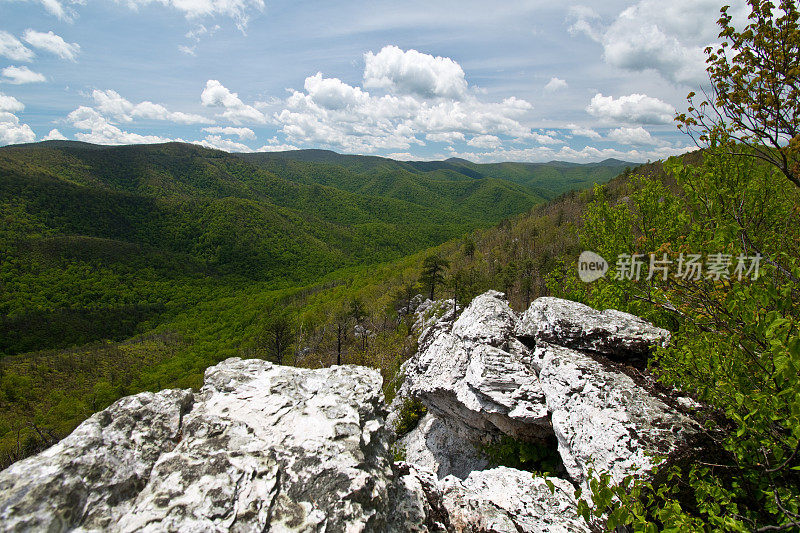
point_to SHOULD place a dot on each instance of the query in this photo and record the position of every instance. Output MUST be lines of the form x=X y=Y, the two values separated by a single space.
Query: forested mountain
x=416 y=179
x=198 y=249
x=97 y=240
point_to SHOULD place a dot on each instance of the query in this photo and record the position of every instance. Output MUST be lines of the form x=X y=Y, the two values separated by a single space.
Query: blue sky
x=488 y=81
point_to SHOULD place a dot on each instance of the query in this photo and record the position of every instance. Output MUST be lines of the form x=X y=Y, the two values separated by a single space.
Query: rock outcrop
x=578 y=326
x=492 y=373
x=476 y=373
x=263 y=447
x=601 y=418
x=443 y=447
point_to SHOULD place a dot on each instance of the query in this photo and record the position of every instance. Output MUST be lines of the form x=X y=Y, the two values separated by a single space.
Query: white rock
x=476 y=374
x=578 y=326
x=505 y=500
x=90 y=478
x=443 y=448
x=264 y=447
x=601 y=418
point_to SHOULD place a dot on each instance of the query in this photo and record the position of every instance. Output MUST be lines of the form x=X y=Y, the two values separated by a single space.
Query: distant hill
x=99 y=240
x=387 y=176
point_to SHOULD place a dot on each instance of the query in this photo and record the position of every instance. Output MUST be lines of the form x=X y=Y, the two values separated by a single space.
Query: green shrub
x=410 y=414
x=542 y=458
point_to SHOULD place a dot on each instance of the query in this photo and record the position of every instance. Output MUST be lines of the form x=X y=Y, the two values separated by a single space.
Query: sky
x=532 y=80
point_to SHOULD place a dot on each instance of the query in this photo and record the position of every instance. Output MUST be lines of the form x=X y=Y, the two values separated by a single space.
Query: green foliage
x=433 y=268
x=735 y=346
x=539 y=457
x=409 y=416
x=125 y=269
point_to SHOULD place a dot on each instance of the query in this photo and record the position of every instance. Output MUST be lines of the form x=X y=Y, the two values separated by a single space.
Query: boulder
x=263 y=447
x=581 y=327
x=505 y=500
x=92 y=477
x=475 y=374
x=602 y=418
x=500 y=500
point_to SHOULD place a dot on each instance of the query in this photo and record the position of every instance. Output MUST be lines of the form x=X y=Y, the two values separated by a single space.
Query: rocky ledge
x=263 y=447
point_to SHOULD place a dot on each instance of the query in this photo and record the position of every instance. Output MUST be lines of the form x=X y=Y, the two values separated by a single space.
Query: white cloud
x=583 y=132
x=653 y=35
x=220 y=143
x=448 y=137
x=12 y=132
x=544 y=139
x=635 y=108
x=239 y=10
x=633 y=136
x=485 y=141
x=242 y=133
x=52 y=43
x=412 y=72
x=217 y=95
x=188 y=50
x=20 y=75
x=10 y=104
x=54 y=135
x=555 y=84
x=332 y=113
x=57 y=8
x=111 y=103
x=565 y=153
x=101 y=131
x=274 y=145
x=13 y=49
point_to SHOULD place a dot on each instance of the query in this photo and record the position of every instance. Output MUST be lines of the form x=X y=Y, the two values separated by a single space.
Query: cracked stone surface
x=90 y=478
x=602 y=418
x=264 y=447
x=578 y=326
x=505 y=500
x=443 y=448
x=475 y=373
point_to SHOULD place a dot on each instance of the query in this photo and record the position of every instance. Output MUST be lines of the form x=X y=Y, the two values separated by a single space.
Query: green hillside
x=135 y=267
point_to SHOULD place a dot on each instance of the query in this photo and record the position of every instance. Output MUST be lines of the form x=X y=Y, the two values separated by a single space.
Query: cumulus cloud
x=54 y=135
x=221 y=143
x=423 y=96
x=112 y=103
x=274 y=145
x=10 y=104
x=99 y=130
x=637 y=136
x=555 y=84
x=583 y=132
x=412 y=72
x=21 y=75
x=11 y=130
x=668 y=38
x=448 y=137
x=52 y=43
x=13 y=49
x=242 y=133
x=634 y=108
x=14 y=132
x=485 y=141
x=217 y=95
x=565 y=153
